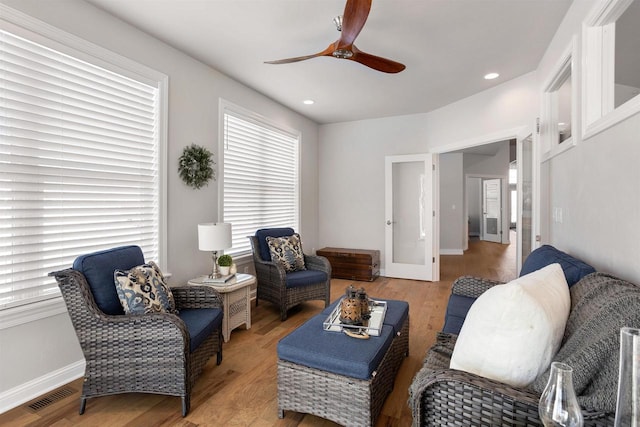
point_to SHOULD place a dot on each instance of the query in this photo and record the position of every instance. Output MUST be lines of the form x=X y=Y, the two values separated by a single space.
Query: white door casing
x=410 y=217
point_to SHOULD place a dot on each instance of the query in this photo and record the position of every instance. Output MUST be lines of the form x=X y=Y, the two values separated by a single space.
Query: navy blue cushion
x=574 y=269
x=304 y=278
x=98 y=268
x=397 y=312
x=201 y=322
x=457 y=309
x=396 y=315
x=262 y=235
x=310 y=345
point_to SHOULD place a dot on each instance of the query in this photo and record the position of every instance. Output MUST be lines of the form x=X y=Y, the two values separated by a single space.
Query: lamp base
x=215 y=272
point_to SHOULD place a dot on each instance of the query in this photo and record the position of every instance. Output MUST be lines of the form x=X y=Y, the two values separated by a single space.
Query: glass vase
x=558 y=403
x=628 y=406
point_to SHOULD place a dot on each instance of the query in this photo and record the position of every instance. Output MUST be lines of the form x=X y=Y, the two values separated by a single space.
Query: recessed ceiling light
x=308 y=101
x=491 y=76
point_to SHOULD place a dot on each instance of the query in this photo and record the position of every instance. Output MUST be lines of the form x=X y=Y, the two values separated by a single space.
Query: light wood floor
x=242 y=390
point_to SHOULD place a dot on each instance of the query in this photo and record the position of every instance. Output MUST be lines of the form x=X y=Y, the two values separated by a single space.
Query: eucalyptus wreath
x=195 y=166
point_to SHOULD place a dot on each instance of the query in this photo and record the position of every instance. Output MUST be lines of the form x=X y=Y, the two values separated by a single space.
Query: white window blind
x=79 y=165
x=260 y=177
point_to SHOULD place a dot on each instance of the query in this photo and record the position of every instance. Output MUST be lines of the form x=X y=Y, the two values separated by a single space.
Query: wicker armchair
x=288 y=289
x=440 y=396
x=148 y=353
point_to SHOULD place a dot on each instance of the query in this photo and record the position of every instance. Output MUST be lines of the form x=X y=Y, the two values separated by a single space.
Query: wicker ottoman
x=342 y=379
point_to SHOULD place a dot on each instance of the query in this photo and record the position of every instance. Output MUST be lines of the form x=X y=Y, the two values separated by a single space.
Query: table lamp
x=214 y=237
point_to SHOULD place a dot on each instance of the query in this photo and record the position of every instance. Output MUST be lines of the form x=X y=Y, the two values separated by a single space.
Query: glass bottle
x=558 y=403
x=628 y=406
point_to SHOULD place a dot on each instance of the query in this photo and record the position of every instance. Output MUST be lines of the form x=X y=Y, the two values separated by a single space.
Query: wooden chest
x=352 y=264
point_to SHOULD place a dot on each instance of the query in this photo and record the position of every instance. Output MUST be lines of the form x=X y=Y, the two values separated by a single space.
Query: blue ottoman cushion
x=457 y=310
x=98 y=268
x=200 y=322
x=310 y=345
x=304 y=278
x=574 y=269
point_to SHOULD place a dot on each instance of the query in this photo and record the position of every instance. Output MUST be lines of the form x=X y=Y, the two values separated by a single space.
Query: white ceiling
x=447 y=46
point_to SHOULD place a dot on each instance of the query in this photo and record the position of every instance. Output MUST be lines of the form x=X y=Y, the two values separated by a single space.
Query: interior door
x=410 y=217
x=526 y=199
x=492 y=210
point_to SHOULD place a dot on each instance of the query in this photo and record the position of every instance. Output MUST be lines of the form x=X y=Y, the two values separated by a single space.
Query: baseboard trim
x=30 y=390
x=451 y=252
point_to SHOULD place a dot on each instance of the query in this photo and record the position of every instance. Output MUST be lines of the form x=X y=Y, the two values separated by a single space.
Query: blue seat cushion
x=310 y=345
x=457 y=310
x=98 y=268
x=200 y=322
x=304 y=278
x=574 y=269
x=396 y=315
x=262 y=235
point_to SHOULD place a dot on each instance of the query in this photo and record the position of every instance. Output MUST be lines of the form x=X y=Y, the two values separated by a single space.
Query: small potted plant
x=224 y=262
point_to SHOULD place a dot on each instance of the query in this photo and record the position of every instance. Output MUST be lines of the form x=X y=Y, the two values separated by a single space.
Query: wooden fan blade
x=376 y=62
x=355 y=15
x=327 y=52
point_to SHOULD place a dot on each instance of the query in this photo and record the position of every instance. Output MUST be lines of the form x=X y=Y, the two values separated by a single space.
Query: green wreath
x=196 y=166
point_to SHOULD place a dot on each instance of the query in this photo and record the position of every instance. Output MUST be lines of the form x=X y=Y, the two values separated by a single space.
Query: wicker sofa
x=600 y=305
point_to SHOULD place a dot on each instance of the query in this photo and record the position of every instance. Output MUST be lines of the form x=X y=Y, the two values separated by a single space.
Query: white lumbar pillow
x=512 y=331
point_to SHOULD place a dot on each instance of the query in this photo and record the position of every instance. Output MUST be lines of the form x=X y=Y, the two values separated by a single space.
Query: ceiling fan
x=350 y=24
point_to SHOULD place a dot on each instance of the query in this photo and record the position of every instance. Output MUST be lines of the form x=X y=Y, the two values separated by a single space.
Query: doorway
x=488 y=208
x=481 y=160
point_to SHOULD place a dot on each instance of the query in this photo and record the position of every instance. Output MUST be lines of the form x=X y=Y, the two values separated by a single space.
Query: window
x=80 y=155
x=260 y=175
x=611 y=83
x=559 y=117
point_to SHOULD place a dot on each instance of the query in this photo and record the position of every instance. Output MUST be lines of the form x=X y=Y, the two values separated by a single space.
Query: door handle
x=389 y=222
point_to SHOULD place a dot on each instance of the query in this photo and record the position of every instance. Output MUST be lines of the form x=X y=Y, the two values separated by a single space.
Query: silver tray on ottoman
x=372 y=326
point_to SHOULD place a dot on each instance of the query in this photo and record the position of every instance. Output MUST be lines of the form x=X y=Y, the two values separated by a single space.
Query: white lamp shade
x=214 y=236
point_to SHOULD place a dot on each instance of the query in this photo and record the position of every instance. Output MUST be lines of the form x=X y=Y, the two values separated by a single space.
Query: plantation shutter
x=260 y=177
x=78 y=165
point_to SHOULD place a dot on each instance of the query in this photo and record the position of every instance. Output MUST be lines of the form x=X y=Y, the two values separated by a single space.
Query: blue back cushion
x=574 y=269
x=98 y=268
x=262 y=235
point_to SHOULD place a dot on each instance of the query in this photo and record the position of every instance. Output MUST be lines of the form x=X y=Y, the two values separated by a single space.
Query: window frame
x=246 y=114
x=52 y=37
x=565 y=67
x=598 y=47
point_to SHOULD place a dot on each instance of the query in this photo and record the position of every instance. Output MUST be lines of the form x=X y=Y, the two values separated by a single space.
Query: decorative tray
x=372 y=326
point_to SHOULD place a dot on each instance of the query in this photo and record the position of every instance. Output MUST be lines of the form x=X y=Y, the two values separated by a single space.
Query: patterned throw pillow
x=143 y=290
x=287 y=251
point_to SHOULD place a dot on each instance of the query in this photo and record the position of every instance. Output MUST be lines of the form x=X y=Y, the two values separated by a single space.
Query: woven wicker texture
x=469 y=286
x=440 y=396
x=138 y=353
x=271 y=282
x=347 y=401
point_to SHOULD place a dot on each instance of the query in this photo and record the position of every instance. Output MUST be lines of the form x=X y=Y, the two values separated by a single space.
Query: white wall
x=194 y=92
x=452 y=238
x=351 y=155
x=595 y=183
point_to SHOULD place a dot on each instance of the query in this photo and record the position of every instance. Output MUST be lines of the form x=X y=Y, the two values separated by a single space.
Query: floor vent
x=50 y=398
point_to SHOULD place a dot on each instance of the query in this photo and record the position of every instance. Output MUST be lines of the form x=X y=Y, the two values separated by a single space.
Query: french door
x=410 y=217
